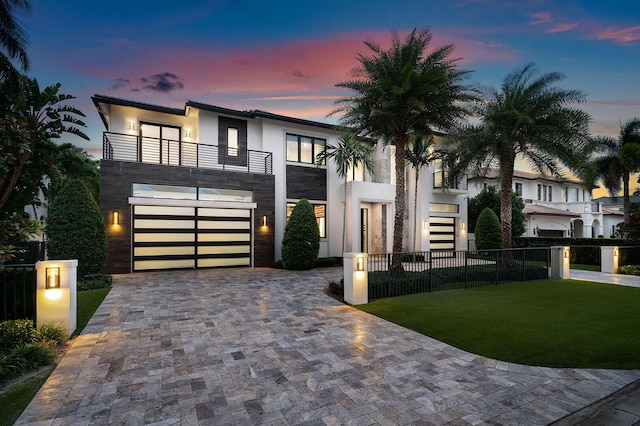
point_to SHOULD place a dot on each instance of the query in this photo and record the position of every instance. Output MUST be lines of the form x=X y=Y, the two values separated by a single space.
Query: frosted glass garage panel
x=224 y=249
x=164 y=224
x=141 y=265
x=210 y=263
x=207 y=212
x=224 y=237
x=446 y=237
x=164 y=210
x=444 y=208
x=163 y=251
x=163 y=237
x=226 y=224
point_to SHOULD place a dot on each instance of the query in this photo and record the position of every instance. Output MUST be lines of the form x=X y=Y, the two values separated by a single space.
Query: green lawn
x=15 y=400
x=554 y=323
x=595 y=268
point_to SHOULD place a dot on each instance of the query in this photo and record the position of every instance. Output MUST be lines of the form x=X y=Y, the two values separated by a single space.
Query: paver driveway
x=263 y=346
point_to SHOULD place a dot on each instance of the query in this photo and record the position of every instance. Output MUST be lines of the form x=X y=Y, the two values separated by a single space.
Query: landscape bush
x=95 y=281
x=75 y=229
x=488 y=231
x=629 y=270
x=301 y=240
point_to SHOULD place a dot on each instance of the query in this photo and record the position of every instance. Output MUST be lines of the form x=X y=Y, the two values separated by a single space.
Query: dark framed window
x=304 y=149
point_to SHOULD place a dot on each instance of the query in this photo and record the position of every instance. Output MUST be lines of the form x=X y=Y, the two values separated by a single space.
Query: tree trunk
x=626 y=200
x=398 y=221
x=506 y=180
x=15 y=175
x=415 y=212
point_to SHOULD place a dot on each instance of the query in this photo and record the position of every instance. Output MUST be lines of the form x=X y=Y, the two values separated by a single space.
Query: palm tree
x=419 y=156
x=528 y=118
x=615 y=160
x=401 y=91
x=347 y=154
x=39 y=117
x=13 y=40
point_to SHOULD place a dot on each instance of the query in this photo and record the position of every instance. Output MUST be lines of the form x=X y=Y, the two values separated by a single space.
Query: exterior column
x=56 y=300
x=609 y=259
x=356 y=287
x=559 y=262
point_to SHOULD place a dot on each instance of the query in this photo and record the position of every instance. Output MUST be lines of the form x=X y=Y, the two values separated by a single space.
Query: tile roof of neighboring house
x=494 y=174
x=612 y=211
x=616 y=201
x=534 y=209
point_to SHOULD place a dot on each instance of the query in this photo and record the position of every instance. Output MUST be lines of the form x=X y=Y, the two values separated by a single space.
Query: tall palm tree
x=615 y=159
x=401 y=91
x=13 y=40
x=529 y=118
x=419 y=156
x=347 y=154
x=41 y=116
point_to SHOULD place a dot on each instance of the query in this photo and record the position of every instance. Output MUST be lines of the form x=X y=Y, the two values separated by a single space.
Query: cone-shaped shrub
x=488 y=231
x=75 y=229
x=301 y=240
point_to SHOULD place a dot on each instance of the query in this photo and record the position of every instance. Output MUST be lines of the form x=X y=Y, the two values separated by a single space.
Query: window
x=518 y=188
x=232 y=142
x=550 y=194
x=304 y=149
x=321 y=218
x=444 y=208
x=539 y=192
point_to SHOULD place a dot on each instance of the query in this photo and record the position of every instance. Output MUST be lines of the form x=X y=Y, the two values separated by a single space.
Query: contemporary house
x=554 y=208
x=205 y=186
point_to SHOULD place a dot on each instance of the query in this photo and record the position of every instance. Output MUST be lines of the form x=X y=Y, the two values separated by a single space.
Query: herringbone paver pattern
x=263 y=346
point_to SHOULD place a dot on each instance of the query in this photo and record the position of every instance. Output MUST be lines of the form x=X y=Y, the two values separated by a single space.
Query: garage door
x=442 y=234
x=170 y=237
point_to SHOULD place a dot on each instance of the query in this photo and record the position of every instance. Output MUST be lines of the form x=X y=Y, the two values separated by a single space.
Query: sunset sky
x=286 y=56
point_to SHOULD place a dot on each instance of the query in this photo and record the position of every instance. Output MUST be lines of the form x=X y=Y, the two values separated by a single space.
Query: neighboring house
x=554 y=208
x=205 y=186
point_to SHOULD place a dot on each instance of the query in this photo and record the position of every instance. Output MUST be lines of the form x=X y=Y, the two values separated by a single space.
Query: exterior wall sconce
x=116 y=218
x=615 y=252
x=566 y=253
x=132 y=125
x=425 y=225
x=187 y=133
x=52 y=278
x=264 y=220
x=463 y=227
x=360 y=264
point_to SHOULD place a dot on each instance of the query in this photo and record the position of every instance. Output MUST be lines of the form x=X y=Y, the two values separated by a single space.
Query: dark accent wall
x=223 y=126
x=116 y=182
x=306 y=182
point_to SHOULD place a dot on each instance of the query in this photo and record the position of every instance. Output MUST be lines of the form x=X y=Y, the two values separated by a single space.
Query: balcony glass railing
x=123 y=147
x=443 y=180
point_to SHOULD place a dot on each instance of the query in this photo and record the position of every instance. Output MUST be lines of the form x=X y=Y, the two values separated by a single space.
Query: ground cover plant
x=553 y=323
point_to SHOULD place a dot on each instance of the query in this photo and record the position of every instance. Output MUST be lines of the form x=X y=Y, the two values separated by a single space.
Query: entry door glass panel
x=442 y=233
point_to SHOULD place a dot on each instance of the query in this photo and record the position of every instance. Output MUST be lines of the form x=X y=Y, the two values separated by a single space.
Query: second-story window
x=232 y=142
x=304 y=149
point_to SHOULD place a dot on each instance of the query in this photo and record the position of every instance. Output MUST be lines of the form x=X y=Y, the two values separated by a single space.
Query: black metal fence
x=119 y=146
x=453 y=270
x=18 y=292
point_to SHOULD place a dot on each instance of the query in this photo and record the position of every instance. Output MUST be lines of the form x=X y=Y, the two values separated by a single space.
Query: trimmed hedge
x=488 y=231
x=301 y=241
x=75 y=229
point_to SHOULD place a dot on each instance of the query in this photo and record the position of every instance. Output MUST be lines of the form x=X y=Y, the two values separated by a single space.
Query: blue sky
x=286 y=56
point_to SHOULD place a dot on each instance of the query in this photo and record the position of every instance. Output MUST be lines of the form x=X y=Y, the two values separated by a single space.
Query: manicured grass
x=554 y=323
x=88 y=302
x=581 y=267
x=15 y=400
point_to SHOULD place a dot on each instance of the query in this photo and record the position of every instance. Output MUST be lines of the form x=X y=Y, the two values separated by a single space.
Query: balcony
x=138 y=149
x=444 y=182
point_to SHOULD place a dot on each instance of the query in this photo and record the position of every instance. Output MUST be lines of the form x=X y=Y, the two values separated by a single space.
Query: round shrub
x=301 y=240
x=75 y=229
x=629 y=270
x=488 y=231
x=51 y=333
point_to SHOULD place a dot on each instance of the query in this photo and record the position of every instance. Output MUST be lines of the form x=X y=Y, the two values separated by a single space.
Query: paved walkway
x=601 y=277
x=263 y=346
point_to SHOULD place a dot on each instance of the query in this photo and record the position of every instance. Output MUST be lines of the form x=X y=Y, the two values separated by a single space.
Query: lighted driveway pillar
x=356 y=288
x=56 y=300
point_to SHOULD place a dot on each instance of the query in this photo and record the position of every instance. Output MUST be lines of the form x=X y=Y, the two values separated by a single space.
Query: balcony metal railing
x=443 y=180
x=139 y=149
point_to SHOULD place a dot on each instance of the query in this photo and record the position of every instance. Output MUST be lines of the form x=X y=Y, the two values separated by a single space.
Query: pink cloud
x=619 y=35
x=540 y=18
x=559 y=28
